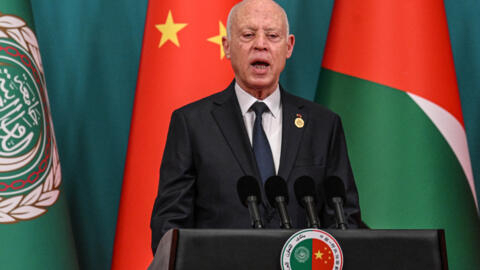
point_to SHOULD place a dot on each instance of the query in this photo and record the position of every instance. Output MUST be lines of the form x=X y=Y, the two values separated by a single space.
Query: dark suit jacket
x=208 y=150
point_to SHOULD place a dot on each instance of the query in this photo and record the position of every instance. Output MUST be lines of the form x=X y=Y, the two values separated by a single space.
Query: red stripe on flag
x=403 y=44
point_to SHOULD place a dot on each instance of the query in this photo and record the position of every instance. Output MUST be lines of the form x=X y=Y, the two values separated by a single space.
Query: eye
x=272 y=36
x=248 y=35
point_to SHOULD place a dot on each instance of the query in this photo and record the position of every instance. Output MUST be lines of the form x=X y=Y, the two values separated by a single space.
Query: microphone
x=249 y=193
x=277 y=194
x=305 y=192
x=335 y=197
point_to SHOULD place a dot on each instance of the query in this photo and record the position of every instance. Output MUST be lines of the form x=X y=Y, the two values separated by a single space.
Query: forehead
x=259 y=15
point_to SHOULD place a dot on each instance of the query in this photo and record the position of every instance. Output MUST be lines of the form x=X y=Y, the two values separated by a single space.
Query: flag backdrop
x=91 y=50
x=182 y=61
x=388 y=71
x=35 y=228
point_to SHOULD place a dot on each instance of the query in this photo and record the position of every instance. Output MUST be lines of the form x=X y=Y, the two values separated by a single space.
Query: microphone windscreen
x=248 y=186
x=334 y=187
x=275 y=186
x=304 y=186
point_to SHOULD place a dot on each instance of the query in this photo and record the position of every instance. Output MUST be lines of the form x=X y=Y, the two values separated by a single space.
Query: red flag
x=182 y=61
x=322 y=255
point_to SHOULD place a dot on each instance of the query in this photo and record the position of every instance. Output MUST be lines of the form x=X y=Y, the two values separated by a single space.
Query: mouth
x=260 y=65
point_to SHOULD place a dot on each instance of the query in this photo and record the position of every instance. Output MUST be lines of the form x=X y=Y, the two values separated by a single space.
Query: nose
x=260 y=42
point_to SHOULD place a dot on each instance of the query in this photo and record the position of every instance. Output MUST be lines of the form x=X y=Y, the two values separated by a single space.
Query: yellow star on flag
x=218 y=39
x=318 y=255
x=169 y=30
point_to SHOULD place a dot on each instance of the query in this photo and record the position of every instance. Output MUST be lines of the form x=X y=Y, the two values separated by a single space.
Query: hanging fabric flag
x=182 y=61
x=35 y=230
x=388 y=71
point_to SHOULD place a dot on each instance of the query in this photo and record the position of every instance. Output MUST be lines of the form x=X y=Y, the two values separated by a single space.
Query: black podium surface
x=187 y=249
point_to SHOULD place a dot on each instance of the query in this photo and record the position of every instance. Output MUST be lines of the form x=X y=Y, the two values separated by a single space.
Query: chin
x=261 y=84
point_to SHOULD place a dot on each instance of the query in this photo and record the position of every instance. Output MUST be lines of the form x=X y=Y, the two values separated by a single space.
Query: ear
x=290 y=44
x=226 y=47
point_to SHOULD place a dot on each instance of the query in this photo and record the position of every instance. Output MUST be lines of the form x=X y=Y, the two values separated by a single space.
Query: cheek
x=281 y=58
x=241 y=52
x=241 y=62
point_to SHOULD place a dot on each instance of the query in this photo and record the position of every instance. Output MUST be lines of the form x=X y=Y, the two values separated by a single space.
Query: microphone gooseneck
x=277 y=194
x=335 y=190
x=306 y=193
x=249 y=193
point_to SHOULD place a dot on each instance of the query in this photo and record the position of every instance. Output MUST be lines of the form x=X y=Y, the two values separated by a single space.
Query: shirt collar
x=246 y=100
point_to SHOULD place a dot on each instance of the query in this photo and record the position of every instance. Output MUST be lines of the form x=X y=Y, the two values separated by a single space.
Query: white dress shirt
x=271 y=120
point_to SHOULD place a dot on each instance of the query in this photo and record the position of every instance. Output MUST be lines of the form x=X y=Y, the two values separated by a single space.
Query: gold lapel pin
x=299 y=121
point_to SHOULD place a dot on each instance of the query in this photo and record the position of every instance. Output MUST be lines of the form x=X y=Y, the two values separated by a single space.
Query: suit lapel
x=228 y=117
x=291 y=133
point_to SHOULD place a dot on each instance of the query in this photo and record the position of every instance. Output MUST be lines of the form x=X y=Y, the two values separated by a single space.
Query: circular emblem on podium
x=311 y=249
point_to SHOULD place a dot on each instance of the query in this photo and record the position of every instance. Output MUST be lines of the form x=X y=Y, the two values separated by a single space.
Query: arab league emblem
x=29 y=167
x=311 y=249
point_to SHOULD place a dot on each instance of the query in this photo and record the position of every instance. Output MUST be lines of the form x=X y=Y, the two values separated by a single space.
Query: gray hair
x=234 y=8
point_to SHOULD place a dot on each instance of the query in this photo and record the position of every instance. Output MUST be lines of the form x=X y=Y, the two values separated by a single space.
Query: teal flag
x=91 y=50
x=35 y=229
x=309 y=21
x=464 y=27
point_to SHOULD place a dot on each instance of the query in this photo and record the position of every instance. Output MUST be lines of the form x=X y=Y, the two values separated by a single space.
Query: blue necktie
x=261 y=147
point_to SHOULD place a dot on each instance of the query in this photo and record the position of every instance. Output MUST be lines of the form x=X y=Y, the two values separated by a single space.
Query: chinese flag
x=322 y=256
x=182 y=61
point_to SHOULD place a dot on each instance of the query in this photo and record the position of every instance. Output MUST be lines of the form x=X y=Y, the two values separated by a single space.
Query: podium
x=231 y=249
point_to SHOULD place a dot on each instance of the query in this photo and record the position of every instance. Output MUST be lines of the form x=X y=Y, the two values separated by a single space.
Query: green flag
x=392 y=80
x=35 y=230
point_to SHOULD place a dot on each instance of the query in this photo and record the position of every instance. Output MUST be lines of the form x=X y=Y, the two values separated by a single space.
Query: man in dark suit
x=213 y=142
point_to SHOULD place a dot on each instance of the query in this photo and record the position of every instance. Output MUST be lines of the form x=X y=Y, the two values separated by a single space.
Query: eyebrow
x=269 y=29
x=272 y=29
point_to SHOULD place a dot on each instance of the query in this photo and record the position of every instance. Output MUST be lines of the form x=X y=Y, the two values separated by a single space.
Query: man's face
x=258 y=46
